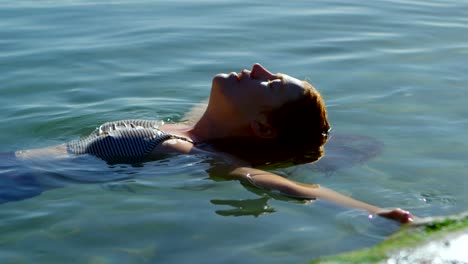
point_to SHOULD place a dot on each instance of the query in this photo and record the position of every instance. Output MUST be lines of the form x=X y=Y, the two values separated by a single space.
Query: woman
x=253 y=118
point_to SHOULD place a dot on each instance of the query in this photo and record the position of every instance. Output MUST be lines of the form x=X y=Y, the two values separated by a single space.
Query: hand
x=398 y=215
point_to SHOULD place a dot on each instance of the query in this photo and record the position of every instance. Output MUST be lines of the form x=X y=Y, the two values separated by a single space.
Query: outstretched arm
x=53 y=152
x=232 y=168
x=270 y=181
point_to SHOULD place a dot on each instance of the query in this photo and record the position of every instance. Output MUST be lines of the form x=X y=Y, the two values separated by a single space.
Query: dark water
x=392 y=72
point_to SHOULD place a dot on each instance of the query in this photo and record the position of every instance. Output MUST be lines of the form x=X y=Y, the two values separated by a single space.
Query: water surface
x=393 y=74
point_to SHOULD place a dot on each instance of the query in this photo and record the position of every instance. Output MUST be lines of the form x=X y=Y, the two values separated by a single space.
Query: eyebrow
x=283 y=81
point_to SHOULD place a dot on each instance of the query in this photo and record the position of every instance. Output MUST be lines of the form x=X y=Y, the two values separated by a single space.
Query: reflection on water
x=254 y=207
x=343 y=151
x=438 y=197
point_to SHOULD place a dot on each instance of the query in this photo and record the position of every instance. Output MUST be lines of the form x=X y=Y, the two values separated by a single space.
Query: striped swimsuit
x=125 y=141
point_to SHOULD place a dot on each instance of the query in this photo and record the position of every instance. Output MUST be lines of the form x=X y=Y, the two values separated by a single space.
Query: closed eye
x=275 y=81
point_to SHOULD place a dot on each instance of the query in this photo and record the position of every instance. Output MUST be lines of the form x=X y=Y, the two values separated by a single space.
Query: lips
x=245 y=73
x=234 y=74
x=240 y=75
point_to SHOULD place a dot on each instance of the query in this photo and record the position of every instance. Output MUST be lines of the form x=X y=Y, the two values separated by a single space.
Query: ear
x=262 y=128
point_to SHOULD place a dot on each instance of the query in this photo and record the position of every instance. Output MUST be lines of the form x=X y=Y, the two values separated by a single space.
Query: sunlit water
x=392 y=72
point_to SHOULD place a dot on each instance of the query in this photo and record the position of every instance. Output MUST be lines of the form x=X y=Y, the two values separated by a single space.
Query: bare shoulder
x=174 y=147
x=179 y=146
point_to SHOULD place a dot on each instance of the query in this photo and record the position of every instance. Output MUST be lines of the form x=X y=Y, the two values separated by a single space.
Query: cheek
x=255 y=91
x=275 y=104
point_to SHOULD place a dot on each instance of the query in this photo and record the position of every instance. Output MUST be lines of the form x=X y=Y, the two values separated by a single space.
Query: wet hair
x=301 y=123
x=301 y=131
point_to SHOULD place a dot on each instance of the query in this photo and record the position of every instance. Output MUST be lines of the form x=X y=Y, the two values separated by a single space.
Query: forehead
x=292 y=84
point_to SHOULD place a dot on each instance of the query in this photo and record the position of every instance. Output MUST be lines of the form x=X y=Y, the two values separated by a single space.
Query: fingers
x=398 y=215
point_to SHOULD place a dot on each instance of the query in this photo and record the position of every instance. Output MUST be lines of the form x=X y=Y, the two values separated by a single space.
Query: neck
x=216 y=125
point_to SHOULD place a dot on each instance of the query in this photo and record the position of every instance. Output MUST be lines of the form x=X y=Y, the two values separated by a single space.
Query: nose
x=259 y=72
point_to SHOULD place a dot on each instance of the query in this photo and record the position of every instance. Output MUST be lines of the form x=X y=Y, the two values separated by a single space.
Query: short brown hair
x=302 y=122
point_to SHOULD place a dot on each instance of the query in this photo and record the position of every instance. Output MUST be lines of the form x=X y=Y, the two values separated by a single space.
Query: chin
x=222 y=89
x=219 y=78
x=224 y=81
x=218 y=82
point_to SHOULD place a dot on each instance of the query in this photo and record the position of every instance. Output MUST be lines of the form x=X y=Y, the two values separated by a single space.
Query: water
x=392 y=72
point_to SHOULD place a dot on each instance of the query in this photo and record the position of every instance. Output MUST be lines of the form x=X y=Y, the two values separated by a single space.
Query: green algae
x=408 y=237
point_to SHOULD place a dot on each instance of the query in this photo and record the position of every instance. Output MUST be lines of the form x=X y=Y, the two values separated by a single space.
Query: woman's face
x=254 y=91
